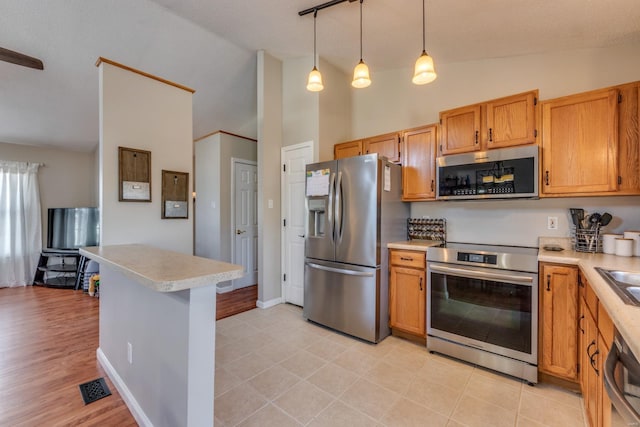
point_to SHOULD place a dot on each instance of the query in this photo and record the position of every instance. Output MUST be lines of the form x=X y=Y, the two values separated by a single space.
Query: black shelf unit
x=55 y=270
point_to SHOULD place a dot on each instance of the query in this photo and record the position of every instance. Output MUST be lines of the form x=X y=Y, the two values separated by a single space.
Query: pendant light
x=361 y=77
x=424 y=71
x=314 y=83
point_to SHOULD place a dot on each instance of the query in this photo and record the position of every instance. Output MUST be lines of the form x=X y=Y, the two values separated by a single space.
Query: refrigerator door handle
x=330 y=218
x=340 y=270
x=338 y=209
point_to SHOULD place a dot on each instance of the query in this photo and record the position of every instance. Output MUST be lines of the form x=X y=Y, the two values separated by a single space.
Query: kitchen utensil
x=594 y=220
x=605 y=219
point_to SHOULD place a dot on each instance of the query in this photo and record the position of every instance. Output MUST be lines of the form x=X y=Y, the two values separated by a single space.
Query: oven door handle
x=509 y=278
x=613 y=390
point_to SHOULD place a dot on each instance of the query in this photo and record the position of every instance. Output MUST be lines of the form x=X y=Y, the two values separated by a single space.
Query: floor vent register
x=94 y=390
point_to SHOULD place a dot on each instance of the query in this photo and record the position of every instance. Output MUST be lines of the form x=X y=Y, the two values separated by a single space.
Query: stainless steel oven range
x=482 y=306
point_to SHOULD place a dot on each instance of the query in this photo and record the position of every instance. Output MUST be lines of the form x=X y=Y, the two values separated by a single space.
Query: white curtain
x=20 y=225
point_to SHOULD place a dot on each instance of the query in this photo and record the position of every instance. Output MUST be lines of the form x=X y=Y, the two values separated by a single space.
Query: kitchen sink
x=624 y=283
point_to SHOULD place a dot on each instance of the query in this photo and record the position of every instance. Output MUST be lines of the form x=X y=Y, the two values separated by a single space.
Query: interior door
x=245 y=228
x=294 y=160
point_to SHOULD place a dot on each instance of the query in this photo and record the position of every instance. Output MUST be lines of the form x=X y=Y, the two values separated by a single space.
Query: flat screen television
x=73 y=228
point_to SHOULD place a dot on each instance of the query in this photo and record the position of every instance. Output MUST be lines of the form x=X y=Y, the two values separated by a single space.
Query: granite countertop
x=162 y=270
x=625 y=317
x=414 y=245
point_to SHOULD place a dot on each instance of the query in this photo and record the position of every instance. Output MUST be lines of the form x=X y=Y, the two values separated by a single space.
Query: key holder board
x=175 y=194
x=134 y=175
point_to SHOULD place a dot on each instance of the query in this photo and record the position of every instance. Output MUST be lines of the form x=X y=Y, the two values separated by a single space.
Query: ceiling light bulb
x=361 y=77
x=424 y=71
x=314 y=83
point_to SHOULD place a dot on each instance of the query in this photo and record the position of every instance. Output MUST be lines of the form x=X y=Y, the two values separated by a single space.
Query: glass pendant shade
x=424 y=71
x=314 y=83
x=361 y=77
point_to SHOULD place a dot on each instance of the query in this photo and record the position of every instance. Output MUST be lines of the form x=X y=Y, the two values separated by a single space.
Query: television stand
x=57 y=268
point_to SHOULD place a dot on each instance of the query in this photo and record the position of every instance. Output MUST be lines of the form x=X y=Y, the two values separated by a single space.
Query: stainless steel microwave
x=503 y=173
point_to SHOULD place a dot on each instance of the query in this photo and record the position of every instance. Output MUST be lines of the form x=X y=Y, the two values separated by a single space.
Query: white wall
x=335 y=109
x=143 y=113
x=270 y=119
x=393 y=103
x=300 y=108
x=213 y=187
x=68 y=179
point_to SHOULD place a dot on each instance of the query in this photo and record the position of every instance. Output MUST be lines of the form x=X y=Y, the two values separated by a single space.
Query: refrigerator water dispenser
x=316 y=217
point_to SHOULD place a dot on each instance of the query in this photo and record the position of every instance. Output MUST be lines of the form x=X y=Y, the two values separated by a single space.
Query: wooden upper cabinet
x=419 y=163
x=502 y=122
x=511 y=121
x=347 y=149
x=558 y=350
x=387 y=145
x=460 y=130
x=629 y=139
x=580 y=143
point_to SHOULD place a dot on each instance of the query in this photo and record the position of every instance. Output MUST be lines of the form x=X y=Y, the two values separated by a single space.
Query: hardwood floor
x=48 y=342
x=235 y=302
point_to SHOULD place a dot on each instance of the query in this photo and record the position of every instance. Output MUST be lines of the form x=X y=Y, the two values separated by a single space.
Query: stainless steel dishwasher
x=622 y=382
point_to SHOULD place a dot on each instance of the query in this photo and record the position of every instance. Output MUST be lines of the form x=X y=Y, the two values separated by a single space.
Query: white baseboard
x=135 y=409
x=270 y=303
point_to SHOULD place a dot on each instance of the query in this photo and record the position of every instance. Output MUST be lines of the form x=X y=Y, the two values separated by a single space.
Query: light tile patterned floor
x=275 y=369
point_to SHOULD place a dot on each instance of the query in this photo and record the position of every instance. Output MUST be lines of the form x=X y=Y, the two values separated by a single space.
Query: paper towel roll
x=609 y=243
x=635 y=235
x=624 y=247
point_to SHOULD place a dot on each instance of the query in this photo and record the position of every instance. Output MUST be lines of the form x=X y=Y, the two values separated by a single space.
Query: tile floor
x=275 y=369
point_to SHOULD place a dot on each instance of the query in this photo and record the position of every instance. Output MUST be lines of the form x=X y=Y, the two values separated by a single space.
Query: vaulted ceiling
x=210 y=45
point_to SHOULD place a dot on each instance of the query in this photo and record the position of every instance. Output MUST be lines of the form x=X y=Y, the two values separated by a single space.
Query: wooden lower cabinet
x=407 y=292
x=596 y=332
x=558 y=349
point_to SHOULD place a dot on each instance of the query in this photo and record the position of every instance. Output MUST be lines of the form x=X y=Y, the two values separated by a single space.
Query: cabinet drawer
x=415 y=259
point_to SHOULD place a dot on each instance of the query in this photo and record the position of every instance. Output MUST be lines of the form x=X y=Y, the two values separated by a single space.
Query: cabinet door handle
x=548 y=282
x=580 y=323
x=421 y=283
x=490 y=135
x=589 y=346
x=546 y=177
x=592 y=361
x=406 y=258
x=476 y=137
x=433 y=185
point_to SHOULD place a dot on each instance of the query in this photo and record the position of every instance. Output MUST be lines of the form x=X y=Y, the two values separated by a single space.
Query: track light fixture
x=424 y=72
x=314 y=82
x=361 y=77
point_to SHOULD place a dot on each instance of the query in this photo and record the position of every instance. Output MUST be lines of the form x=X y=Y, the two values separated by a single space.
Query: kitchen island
x=157 y=330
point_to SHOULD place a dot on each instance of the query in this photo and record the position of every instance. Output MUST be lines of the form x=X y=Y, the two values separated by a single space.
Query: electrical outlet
x=552 y=222
x=130 y=353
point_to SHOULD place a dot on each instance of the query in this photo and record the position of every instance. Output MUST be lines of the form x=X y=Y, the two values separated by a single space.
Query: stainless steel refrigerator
x=353 y=209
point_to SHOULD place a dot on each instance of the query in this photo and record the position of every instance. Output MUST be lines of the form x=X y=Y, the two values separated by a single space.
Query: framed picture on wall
x=175 y=194
x=134 y=175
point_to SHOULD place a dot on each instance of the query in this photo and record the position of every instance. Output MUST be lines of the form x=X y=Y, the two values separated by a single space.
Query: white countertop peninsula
x=157 y=330
x=626 y=318
x=162 y=270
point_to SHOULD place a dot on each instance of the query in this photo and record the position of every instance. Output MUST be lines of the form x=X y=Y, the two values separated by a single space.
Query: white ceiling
x=216 y=56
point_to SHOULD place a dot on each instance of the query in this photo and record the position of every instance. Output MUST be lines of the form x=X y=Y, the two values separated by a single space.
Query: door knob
x=240 y=231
